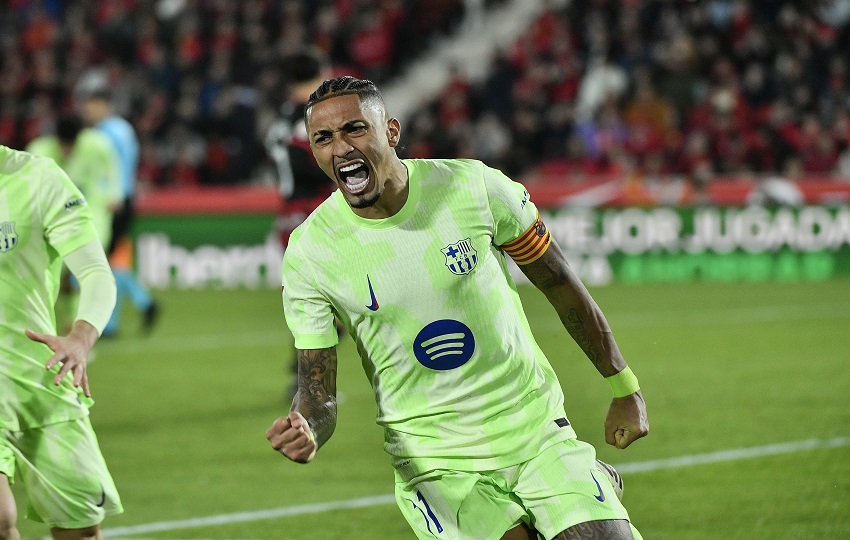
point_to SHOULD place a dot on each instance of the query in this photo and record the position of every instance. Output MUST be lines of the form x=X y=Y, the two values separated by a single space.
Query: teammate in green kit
x=410 y=255
x=87 y=157
x=45 y=434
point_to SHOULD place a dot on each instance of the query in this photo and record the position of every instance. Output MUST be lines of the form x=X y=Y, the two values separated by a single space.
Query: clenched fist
x=292 y=437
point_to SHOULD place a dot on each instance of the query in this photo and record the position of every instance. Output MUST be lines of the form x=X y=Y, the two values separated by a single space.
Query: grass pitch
x=181 y=416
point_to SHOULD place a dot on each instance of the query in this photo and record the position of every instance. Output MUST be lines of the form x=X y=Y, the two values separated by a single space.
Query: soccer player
x=97 y=111
x=410 y=255
x=86 y=157
x=45 y=434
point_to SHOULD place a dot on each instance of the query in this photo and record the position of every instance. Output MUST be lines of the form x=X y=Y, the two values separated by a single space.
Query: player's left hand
x=626 y=421
x=71 y=351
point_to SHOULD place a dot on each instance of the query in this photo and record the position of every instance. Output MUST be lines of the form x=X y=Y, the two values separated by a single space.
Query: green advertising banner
x=199 y=251
x=630 y=245
x=638 y=245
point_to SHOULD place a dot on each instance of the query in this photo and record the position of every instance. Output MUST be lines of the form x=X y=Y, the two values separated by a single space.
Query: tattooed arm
x=312 y=417
x=316 y=396
x=587 y=325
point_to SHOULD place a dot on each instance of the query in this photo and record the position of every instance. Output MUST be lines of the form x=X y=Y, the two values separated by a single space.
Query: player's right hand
x=292 y=437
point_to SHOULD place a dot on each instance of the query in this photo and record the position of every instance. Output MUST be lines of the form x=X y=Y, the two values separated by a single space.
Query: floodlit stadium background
x=691 y=158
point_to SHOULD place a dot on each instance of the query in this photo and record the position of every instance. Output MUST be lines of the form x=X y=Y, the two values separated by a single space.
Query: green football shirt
x=43 y=217
x=459 y=380
x=93 y=167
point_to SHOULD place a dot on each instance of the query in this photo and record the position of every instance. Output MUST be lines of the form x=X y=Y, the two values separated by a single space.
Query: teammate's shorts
x=551 y=492
x=64 y=474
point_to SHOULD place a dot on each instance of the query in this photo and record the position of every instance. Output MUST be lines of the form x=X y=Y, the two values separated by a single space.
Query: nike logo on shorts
x=601 y=496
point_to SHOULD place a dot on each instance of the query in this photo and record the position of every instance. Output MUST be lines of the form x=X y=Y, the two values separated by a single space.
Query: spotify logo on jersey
x=444 y=344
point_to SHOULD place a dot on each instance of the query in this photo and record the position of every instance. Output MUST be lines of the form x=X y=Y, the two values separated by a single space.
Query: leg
x=139 y=295
x=520 y=532
x=73 y=494
x=8 y=511
x=568 y=494
x=457 y=504
x=87 y=533
x=609 y=529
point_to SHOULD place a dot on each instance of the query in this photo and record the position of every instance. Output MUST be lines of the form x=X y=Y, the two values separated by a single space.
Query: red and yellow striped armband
x=530 y=245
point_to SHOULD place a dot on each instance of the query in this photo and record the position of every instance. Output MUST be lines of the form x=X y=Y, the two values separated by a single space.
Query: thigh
x=598 y=530
x=561 y=488
x=457 y=505
x=65 y=476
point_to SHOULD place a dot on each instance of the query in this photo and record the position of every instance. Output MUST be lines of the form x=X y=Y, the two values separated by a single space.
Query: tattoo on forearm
x=598 y=530
x=578 y=312
x=316 y=399
x=576 y=327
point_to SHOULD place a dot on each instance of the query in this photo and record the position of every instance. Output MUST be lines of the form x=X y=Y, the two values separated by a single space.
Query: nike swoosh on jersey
x=102 y=498
x=601 y=496
x=374 y=306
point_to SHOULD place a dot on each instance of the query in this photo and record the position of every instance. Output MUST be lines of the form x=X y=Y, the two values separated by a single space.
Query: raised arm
x=312 y=417
x=581 y=316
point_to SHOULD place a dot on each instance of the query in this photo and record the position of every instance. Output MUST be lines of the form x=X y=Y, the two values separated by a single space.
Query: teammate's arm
x=97 y=300
x=581 y=316
x=312 y=417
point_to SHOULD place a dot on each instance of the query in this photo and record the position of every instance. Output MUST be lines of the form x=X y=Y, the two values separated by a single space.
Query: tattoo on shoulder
x=609 y=529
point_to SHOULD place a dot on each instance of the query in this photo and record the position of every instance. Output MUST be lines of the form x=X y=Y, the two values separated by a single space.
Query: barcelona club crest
x=8 y=236
x=461 y=258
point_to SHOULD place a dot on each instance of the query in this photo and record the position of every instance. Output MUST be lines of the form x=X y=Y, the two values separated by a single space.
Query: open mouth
x=355 y=176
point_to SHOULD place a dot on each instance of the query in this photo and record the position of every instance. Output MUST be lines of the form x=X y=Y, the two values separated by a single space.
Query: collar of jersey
x=400 y=217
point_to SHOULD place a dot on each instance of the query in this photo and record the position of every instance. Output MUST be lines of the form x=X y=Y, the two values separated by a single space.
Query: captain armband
x=531 y=245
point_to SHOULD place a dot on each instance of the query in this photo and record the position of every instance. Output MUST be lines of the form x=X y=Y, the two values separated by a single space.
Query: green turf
x=181 y=414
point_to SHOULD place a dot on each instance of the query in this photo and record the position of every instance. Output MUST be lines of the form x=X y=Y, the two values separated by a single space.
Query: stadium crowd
x=201 y=80
x=691 y=88
x=696 y=88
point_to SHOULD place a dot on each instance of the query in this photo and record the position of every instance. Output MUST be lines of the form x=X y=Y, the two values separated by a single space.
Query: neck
x=392 y=199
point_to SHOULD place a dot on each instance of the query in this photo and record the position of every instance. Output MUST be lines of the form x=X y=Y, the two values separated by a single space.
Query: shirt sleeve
x=308 y=313
x=66 y=216
x=518 y=229
x=97 y=284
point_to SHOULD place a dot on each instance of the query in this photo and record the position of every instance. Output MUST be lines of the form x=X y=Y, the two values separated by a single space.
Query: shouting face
x=354 y=143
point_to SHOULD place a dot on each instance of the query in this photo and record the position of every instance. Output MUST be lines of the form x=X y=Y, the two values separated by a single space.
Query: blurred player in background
x=301 y=183
x=98 y=113
x=87 y=158
x=45 y=434
x=410 y=254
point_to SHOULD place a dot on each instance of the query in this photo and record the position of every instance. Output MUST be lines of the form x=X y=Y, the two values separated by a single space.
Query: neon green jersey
x=92 y=165
x=459 y=381
x=43 y=217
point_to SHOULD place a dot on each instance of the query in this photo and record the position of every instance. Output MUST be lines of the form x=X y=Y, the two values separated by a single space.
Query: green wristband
x=623 y=383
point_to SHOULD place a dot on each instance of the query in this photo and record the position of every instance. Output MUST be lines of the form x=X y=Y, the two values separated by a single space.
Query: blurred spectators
x=662 y=87
x=687 y=89
x=201 y=80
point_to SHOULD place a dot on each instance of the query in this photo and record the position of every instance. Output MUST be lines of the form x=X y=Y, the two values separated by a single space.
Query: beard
x=365 y=201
